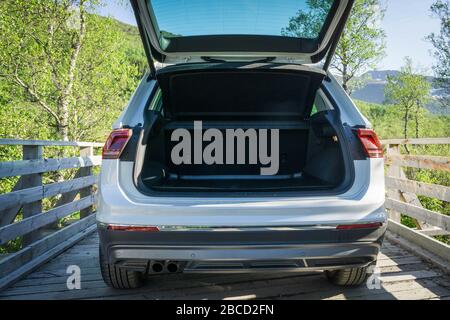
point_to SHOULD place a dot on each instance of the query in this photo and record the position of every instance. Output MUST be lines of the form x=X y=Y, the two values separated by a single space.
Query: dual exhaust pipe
x=170 y=267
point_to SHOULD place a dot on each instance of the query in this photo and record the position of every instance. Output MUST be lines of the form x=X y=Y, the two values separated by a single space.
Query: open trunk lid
x=239 y=89
x=295 y=31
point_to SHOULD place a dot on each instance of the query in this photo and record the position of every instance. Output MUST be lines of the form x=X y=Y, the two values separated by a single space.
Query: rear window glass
x=290 y=18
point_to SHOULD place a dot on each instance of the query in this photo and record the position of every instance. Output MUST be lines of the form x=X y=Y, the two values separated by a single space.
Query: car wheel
x=348 y=277
x=117 y=277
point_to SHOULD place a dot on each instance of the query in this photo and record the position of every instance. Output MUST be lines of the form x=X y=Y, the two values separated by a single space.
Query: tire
x=351 y=277
x=117 y=277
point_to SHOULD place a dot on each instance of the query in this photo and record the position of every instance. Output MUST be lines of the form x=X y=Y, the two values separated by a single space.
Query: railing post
x=394 y=171
x=29 y=181
x=86 y=152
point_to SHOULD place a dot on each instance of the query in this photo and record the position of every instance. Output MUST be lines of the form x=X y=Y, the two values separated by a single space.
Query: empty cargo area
x=221 y=129
x=309 y=157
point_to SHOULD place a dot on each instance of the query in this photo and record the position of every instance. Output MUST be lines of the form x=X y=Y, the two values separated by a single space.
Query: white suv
x=241 y=153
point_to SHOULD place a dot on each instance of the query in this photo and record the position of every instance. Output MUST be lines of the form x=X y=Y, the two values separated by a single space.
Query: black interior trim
x=241 y=43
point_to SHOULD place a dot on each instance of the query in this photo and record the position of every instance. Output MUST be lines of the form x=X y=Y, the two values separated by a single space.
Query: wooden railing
x=41 y=237
x=402 y=196
x=41 y=243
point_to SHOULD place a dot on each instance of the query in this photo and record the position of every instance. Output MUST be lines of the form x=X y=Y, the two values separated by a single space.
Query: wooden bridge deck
x=403 y=276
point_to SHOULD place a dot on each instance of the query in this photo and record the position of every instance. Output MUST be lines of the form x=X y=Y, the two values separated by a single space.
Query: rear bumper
x=287 y=249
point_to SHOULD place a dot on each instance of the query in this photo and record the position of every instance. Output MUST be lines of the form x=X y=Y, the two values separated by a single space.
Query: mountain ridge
x=373 y=88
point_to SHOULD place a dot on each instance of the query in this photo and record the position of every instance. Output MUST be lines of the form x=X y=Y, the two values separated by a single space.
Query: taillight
x=374 y=225
x=371 y=145
x=115 y=143
x=116 y=227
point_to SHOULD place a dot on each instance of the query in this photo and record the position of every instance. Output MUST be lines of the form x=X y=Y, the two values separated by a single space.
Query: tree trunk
x=417 y=121
x=67 y=91
x=345 y=78
x=345 y=86
x=405 y=123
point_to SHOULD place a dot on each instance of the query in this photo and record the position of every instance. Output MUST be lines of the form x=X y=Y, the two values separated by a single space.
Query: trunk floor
x=303 y=183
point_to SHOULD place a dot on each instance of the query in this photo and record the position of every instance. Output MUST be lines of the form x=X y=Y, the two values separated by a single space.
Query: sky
x=406 y=23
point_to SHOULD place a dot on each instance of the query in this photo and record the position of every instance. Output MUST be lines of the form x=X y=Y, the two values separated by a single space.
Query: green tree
x=66 y=61
x=441 y=43
x=410 y=92
x=385 y=121
x=362 y=43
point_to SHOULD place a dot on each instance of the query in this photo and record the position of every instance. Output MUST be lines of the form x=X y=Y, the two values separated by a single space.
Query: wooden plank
x=420 y=162
x=431 y=217
x=445 y=140
x=434 y=246
x=417 y=293
x=70 y=185
x=409 y=267
x=408 y=275
x=307 y=286
x=434 y=231
x=421 y=188
x=162 y=283
x=34 y=250
x=362 y=292
x=169 y=286
x=23 y=196
x=295 y=289
x=398 y=261
x=32 y=282
x=18 y=142
x=7 y=216
x=18 y=168
x=164 y=291
x=310 y=289
x=419 y=251
x=61 y=245
x=27 y=225
x=66 y=198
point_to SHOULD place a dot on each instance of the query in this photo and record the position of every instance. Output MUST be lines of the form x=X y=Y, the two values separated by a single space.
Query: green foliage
x=441 y=43
x=410 y=92
x=362 y=43
x=388 y=122
x=308 y=23
x=132 y=45
x=76 y=70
